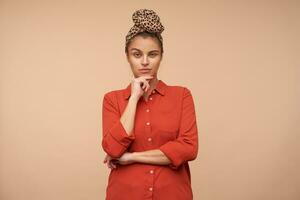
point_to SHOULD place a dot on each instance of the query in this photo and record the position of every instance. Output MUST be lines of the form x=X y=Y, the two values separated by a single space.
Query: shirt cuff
x=172 y=155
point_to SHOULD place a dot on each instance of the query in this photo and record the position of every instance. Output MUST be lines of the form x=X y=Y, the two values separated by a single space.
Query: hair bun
x=148 y=20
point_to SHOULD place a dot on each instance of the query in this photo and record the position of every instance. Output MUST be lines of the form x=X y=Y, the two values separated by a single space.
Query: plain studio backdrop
x=239 y=58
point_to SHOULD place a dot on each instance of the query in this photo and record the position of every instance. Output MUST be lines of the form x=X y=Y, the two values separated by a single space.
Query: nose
x=145 y=61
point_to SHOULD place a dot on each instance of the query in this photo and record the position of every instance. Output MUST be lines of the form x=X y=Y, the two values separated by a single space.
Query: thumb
x=105 y=159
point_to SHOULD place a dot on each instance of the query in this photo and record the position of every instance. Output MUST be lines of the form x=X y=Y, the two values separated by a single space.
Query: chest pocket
x=167 y=124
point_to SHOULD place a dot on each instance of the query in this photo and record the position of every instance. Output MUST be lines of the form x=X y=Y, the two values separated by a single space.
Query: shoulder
x=113 y=95
x=180 y=90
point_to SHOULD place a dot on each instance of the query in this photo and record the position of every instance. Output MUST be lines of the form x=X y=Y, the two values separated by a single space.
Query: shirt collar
x=160 y=88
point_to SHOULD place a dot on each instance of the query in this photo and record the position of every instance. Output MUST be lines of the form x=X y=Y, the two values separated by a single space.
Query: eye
x=153 y=54
x=137 y=54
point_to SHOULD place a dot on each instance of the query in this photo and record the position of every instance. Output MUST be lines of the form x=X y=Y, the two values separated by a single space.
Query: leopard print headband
x=145 y=20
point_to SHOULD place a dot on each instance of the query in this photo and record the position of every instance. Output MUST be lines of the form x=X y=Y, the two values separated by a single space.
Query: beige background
x=239 y=58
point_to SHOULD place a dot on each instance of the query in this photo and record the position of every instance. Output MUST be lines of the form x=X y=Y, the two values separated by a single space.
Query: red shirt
x=166 y=122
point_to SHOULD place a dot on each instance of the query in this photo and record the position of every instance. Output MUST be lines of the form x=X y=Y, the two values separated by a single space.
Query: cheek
x=156 y=63
x=134 y=63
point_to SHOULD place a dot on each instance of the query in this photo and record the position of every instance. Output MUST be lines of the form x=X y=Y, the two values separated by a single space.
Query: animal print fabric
x=145 y=20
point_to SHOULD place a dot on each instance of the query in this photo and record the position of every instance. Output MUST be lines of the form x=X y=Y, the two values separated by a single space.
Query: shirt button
x=151 y=171
x=147 y=110
x=153 y=91
x=149 y=139
x=150 y=188
x=148 y=123
x=150 y=98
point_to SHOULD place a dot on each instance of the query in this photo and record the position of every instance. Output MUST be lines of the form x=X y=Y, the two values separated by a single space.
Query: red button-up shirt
x=167 y=121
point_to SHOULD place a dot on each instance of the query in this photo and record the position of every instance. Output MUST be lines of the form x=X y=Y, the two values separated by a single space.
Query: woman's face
x=144 y=56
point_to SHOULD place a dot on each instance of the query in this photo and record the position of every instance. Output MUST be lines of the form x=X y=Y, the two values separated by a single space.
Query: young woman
x=149 y=128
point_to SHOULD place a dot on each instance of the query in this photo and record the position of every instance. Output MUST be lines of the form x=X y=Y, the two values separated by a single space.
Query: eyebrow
x=140 y=50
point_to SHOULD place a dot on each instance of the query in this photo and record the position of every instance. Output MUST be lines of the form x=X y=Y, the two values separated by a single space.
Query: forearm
x=127 y=118
x=151 y=157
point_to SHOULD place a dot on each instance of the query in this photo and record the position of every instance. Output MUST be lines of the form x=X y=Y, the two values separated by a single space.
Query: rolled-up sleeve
x=115 y=139
x=185 y=147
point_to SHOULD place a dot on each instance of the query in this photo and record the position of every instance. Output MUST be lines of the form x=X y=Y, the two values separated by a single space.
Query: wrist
x=134 y=156
x=134 y=99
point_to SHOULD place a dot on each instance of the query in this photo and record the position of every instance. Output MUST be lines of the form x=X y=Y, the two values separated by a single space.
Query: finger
x=146 y=84
x=147 y=87
x=108 y=165
x=149 y=78
x=106 y=160
x=146 y=77
x=143 y=85
x=115 y=162
x=113 y=165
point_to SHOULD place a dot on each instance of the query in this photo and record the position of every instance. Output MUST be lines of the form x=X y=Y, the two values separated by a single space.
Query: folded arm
x=176 y=152
x=117 y=129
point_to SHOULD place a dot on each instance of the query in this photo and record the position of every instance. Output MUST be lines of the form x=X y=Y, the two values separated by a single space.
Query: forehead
x=144 y=44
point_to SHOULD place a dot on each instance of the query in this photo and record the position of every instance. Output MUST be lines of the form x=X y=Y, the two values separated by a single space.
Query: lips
x=144 y=70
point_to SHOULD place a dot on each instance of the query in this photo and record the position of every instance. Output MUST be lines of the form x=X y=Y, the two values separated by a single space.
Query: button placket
x=147 y=124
